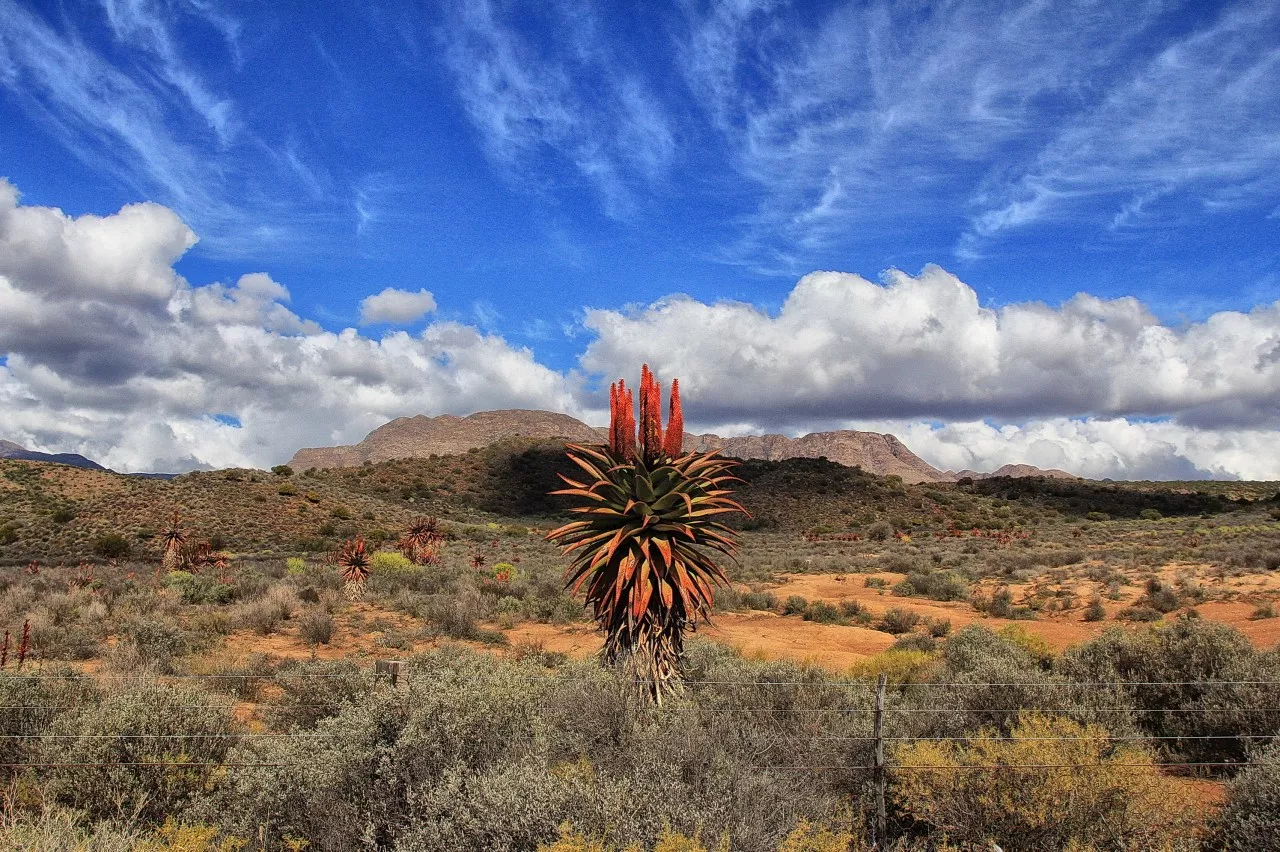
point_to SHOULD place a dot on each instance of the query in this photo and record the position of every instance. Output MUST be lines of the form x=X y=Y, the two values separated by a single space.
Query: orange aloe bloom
x=650 y=442
x=673 y=444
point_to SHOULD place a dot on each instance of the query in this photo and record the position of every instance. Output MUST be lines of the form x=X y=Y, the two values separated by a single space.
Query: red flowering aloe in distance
x=644 y=548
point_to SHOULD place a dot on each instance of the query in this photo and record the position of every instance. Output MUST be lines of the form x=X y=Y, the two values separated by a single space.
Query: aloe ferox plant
x=645 y=547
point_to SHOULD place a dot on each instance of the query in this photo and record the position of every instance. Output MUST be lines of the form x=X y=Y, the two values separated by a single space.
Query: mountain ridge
x=447 y=434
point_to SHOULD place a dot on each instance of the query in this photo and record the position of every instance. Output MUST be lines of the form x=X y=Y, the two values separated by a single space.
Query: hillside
x=1013 y=470
x=883 y=455
x=54 y=512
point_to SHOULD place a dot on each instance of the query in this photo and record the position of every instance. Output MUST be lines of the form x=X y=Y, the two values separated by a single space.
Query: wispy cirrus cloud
x=102 y=114
x=881 y=116
x=573 y=98
x=147 y=116
x=1201 y=117
x=146 y=24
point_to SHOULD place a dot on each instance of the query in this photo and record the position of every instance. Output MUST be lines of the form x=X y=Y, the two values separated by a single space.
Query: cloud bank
x=108 y=351
x=844 y=347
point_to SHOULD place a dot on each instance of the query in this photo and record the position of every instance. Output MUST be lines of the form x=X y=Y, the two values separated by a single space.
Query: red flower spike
x=629 y=429
x=673 y=445
x=653 y=438
x=615 y=418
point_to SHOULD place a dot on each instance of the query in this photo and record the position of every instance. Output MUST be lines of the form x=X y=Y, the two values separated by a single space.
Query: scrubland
x=1069 y=664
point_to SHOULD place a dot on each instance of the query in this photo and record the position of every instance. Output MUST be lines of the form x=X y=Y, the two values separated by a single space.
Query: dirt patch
x=758 y=635
x=361 y=632
x=1262 y=632
x=1060 y=630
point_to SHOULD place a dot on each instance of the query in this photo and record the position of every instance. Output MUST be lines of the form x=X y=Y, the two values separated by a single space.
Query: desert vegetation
x=220 y=692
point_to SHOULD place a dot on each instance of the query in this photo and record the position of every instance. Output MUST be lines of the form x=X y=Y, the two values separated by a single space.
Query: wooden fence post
x=877 y=731
x=390 y=668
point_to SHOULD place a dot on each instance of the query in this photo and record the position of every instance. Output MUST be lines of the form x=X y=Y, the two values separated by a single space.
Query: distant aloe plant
x=421 y=544
x=644 y=547
x=353 y=563
x=174 y=540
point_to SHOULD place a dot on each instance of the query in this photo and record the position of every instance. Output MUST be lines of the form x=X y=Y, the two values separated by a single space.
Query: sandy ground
x=757 y=635
x=358 y=634
x=366 y=632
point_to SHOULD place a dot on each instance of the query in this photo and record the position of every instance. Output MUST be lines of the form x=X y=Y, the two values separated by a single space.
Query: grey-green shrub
x=315 y=627
x=150 y=724
x=1250 y=819
x=1208 y=673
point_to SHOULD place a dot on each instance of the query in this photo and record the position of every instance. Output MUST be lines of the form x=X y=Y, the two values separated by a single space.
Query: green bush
x=389 y=562
x=936 y=585
x=759 y=600
x=822 y=612
x=1095 y=611
x=897 y=620
x=199 y=589
x=112 y=546
x=1208 y=673
x=794 y=605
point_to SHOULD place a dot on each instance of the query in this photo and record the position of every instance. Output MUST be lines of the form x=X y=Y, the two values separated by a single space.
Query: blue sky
x=526 y=163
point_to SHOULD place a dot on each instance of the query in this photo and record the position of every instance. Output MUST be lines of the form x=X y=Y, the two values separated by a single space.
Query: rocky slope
x=875 y=453
x=421 y=436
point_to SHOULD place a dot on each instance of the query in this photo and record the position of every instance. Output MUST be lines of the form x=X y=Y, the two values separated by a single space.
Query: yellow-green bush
x=389 y=562
x=1077 y=788
x=901 y=666
x=1037 y=646
x=805 y=837
x=174 y=836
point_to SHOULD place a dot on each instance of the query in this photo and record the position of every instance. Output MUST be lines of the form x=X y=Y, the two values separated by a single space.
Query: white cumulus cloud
x=1097 y=448
x=843 y=347
x=398 y=307
x=109 y=352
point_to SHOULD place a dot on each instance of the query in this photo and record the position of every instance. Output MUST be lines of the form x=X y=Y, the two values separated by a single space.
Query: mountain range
x=10 y=450
x=447 y=434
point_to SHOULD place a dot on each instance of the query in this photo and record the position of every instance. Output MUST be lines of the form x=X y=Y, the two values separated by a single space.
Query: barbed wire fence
x=396 y=674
